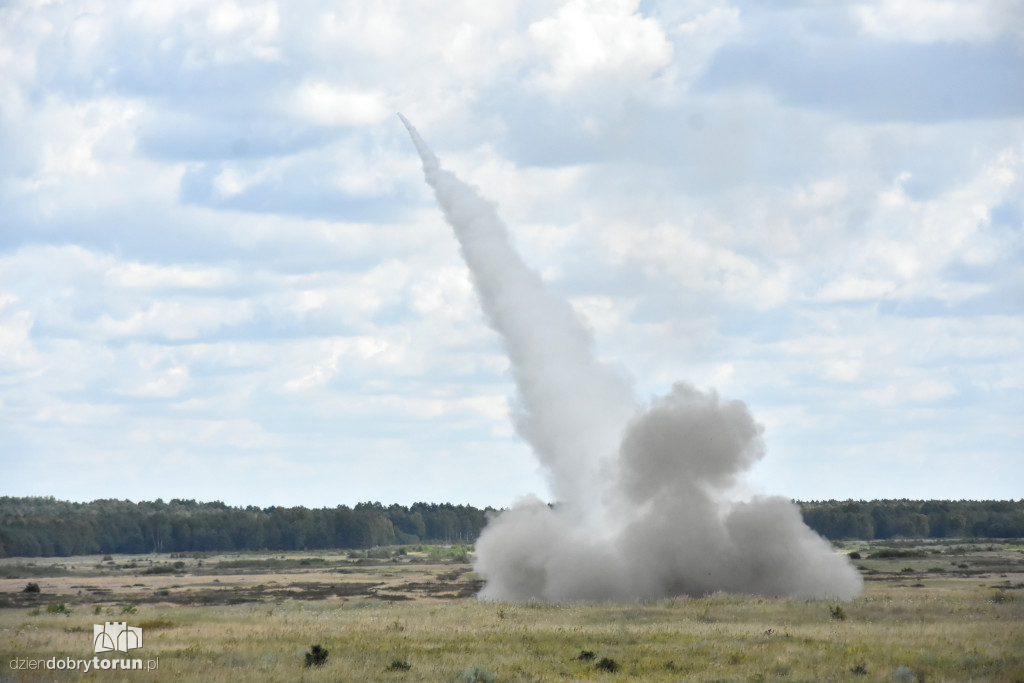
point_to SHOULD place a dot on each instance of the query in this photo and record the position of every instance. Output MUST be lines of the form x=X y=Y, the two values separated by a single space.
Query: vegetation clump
x=317 y=656
x=399 y=664
x=837 y=612
x=31 y=587
x=608 y=664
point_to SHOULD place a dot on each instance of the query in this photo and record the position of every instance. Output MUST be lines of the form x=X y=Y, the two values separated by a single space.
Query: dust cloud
x=643 y=510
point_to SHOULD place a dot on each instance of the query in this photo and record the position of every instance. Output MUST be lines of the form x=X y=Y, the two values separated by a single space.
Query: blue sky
x=222 y=276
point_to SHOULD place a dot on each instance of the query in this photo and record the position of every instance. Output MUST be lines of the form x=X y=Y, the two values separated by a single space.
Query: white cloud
x=910 y=390
x=167 y=383
x=329 y=105
x=16 y=348
x=135 y=275
x=586 y=42
x=215 y=236
x=925 y=21
x=230 y=33
x=687 y=256
x=174 y=320
x=72 y=136
x=854 y=288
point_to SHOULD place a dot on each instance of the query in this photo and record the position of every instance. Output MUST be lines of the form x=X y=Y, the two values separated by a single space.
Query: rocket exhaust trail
x=571 y=408
x=639 y=486
x=430 y=161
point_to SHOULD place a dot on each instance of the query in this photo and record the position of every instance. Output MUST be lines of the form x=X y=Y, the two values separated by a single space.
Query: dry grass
x=950 y=628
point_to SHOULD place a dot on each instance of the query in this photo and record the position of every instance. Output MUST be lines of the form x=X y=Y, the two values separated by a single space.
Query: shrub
x=316 y=657
x=608 y=664
x=57 y=608
x=854 y=555
x=31 y=587
x=399 y=664
x=837 y=612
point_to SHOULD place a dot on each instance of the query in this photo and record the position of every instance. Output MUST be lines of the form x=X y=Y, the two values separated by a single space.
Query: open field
x=949 y=611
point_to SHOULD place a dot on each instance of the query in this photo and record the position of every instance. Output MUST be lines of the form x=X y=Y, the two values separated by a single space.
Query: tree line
x=883 y=519
x=45 y=527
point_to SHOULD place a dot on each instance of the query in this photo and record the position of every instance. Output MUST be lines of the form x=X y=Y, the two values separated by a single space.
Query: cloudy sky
x=222 y=276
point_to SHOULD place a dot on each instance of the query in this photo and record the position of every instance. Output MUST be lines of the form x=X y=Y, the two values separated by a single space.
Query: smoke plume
x=641 y=512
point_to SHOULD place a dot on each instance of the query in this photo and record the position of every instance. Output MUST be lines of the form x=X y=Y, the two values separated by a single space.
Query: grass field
x=929 y=612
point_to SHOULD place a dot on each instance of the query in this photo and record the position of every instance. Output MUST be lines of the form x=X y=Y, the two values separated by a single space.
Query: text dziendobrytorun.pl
x=84 y=665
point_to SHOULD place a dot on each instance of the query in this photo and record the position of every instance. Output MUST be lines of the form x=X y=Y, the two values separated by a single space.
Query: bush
x=608 y=664
x=837 y=612
x=32 y=587
x=399 y=664
x=316 y=657
x=57 y=608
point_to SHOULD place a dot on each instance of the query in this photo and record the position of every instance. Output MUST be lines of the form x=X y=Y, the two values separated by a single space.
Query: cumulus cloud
x=712 y=184
x=603 y=41
x=325 y=104
x=920 y=21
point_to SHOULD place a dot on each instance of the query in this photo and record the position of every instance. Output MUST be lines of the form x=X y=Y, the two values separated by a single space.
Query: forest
x=46 y=527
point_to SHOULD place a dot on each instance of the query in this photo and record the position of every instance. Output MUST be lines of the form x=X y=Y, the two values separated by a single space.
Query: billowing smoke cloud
x=642 y=511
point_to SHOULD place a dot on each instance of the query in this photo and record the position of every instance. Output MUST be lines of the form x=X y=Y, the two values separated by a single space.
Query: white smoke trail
x=638 y=487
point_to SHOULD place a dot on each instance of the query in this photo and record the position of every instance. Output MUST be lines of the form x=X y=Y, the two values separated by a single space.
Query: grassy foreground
x=911 y=623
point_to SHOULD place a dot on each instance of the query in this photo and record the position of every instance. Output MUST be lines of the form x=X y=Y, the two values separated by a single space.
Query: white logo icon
x=116 y=636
